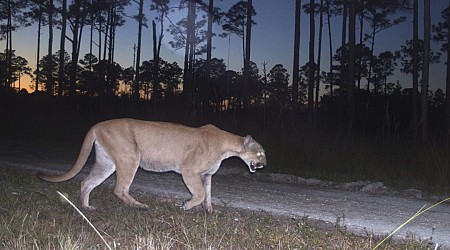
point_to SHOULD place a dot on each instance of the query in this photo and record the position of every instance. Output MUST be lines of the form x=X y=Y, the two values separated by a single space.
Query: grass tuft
x=418 y=213
x=64 y=196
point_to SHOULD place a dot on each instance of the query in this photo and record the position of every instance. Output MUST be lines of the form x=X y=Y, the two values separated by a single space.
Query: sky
x=272 y=39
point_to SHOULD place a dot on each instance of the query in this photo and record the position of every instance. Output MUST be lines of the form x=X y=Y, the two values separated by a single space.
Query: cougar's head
x=253 y=155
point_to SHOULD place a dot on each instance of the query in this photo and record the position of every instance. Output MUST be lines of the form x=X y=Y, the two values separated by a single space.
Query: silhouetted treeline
x=354 y=95
x=387 y=114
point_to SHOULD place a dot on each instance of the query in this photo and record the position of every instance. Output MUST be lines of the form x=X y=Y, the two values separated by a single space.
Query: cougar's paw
x=186 y=206
x=208 y=209
x=89 y=208
x=141 y=206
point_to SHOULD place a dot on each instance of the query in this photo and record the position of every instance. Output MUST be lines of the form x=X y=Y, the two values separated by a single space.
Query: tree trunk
x=208 y=48
x=100 y=41
x=80 y=33
x=155 y=59
x=192 y=45
x=248 y=36
x=50 y=48
x=209 y=39
x=74 y=63
x=107 y=27
x=161 y=34
x=112 y=34
x=447 y=80
x=138 y=52
x=296 y=64
x=8 y=48
x=91 y=40
x=331 y=47
x=156 y=49
x=415 y=66
x=351 y=67
x=187 y=74
x=62 y=43
x=426 y=70
x=319 y=54
x=311 y=66
x=361 y=34
x=38 y=52
x=109 y=38
x=343 y=63
x=369 y=74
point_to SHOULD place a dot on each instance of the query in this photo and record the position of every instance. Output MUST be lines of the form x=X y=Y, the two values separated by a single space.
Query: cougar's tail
x=79 y=164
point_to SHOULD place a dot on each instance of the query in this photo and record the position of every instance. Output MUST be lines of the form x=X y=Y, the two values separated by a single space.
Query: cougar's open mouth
x=254 y=166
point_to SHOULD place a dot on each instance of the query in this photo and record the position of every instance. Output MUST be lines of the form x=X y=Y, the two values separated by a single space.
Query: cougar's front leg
x=194 y=183
x=207 y=186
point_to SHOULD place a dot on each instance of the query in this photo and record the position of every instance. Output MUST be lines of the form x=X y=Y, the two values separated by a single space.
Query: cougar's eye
x=259 y=154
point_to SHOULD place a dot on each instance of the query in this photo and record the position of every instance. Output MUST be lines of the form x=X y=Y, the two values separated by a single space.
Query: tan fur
x=122 y=145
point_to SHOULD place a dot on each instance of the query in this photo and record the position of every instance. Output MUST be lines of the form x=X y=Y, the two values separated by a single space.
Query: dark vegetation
x=347 y=122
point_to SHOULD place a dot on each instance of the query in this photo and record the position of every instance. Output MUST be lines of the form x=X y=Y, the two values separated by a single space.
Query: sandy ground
x=362 y=207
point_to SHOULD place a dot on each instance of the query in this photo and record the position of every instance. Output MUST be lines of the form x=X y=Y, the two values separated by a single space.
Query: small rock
x=413 y=193
x=375 y=187
x=353 y=186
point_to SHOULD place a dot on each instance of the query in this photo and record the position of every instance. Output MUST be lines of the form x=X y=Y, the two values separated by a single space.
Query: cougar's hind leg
x=194 y=183
x=101 y=170
x=125 y=172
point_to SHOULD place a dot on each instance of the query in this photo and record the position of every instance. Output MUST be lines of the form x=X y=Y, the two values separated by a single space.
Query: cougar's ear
x=247 y=140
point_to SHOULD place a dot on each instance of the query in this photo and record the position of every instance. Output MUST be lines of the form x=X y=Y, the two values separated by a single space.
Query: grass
x=33 y=216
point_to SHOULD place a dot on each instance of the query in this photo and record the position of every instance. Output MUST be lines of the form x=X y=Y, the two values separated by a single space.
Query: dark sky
x=272 y=39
